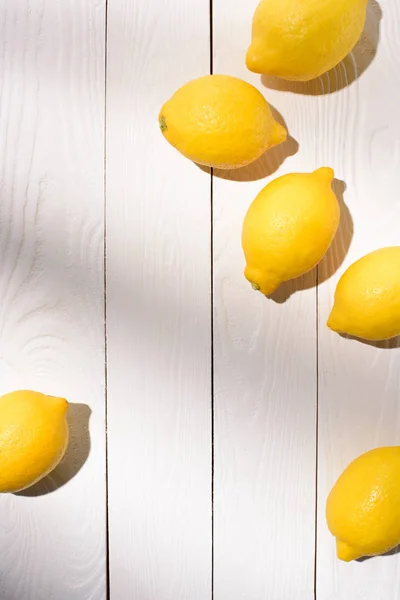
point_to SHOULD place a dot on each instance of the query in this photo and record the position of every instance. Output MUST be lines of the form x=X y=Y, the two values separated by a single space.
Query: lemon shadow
x=264 y=166
x=333 y=258
x=390 y=344
x=347 y=71
x=395 y=550
x=78 y=450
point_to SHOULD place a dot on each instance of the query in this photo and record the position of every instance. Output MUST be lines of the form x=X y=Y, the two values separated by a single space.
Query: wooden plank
x=53 y=537
x=159 y=311
x=265 y=373
x=358 y=385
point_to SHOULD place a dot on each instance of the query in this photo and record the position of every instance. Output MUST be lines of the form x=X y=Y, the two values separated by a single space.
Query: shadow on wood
x=264 y=166
x=350 y=69
x=78 y=450
x=332 y=260
x=391 y=552
x=391 y=344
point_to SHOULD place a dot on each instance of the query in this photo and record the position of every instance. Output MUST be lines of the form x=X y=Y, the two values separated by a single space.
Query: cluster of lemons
x=225 y=123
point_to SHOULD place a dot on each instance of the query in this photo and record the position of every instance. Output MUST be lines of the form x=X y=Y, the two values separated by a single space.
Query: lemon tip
x=346 y=552
x=326 y=173
x=279 y=133
x=60 y=404
x=333 y=323
x=329 y=322
x=251 y=59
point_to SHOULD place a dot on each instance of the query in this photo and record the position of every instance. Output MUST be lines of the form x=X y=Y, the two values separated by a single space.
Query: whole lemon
x=301 y=39
x=289 y=227
x=367 y=297
x=220 y=121
x=33 y=438
x=363 y=508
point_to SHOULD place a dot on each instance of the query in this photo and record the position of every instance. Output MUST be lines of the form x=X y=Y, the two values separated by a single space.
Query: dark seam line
x=108 y=592
x=316 y=433
x=212 y=321
x=212 y=394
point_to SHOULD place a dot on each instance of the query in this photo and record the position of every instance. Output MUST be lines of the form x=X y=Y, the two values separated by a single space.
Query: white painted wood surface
x=265 y=373
x=159 y=311
x=169 y=538
x=53 y=537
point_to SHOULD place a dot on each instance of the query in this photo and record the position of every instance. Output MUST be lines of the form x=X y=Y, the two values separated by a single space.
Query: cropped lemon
x=33 y=438
x=220 y=121
x=363 y=508
x=289 y=227
x=301 y=39
x=367 y=297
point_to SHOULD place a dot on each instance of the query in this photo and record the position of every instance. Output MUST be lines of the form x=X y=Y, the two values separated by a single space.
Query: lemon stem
x=162 y=123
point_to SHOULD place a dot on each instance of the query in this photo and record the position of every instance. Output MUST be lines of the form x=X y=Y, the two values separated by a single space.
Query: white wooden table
x=208 y=423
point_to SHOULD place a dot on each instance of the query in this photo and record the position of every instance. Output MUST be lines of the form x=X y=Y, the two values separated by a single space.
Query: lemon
x=289 y=227
x=220 y=121
x=301 y=39
x=363 y=508
x=33 y=438
x=367 y=297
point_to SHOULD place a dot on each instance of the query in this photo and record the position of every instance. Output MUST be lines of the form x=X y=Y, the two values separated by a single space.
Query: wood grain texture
x=359 y=386
x=265 y=372
x=159 y=311
x=52 y=537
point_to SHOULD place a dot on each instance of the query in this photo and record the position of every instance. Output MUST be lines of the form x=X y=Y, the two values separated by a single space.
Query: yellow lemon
x=301 y=39
x=367 y=297
x=363 y=508
x=33 y=438
x=220 y=121
x=289 y=227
